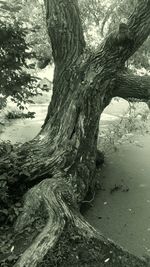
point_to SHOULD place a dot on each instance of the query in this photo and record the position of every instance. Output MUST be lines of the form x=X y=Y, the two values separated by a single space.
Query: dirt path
x=122 y=210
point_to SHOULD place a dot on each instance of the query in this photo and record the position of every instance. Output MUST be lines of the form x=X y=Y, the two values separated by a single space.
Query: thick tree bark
x=60 y=163
x=132 y=86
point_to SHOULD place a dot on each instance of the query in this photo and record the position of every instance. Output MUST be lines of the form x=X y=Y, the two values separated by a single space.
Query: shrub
x=15 y=78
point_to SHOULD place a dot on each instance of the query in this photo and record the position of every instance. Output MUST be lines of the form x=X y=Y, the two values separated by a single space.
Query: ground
x=121 y=210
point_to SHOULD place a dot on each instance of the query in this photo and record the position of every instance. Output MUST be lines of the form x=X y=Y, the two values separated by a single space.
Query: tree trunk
x=59 y=165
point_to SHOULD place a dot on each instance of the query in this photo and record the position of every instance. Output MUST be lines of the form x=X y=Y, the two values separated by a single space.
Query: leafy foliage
x=134 y=121
x=20 y=44
x=9 y=207
x=14 y=51
x=37 y=35
x=19 y=115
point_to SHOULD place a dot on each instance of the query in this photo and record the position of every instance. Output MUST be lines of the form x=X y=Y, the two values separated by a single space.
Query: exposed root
x=66 y=233
x=48 y=194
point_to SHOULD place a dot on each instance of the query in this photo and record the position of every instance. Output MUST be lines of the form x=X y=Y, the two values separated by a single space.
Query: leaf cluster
x=16 y=81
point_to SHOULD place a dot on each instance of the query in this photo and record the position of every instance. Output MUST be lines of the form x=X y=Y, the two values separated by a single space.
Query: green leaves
x=14 y=52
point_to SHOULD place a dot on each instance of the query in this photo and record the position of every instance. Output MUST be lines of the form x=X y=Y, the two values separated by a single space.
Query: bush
x=133 y=121
x=15 y=79
x=20 y=115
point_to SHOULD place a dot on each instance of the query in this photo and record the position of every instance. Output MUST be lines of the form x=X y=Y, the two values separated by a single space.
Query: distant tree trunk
x=59 y=165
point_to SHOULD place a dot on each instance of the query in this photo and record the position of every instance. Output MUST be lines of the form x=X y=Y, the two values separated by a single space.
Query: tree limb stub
x=132 y=86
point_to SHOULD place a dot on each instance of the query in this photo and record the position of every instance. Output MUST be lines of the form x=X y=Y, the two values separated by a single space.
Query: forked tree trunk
x=60 y=163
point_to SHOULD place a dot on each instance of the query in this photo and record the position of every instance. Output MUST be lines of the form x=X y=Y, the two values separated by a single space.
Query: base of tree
x=60 y=236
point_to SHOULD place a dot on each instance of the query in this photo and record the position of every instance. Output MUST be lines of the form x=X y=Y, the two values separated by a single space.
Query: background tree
x=58 y=168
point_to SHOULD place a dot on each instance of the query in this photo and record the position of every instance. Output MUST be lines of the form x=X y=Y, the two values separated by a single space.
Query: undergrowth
x=133 y=121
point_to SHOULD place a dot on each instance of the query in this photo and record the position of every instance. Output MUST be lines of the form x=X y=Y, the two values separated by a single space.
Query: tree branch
x=139 y=23
x=65 y=30
x=139 y=29
x=132 y=86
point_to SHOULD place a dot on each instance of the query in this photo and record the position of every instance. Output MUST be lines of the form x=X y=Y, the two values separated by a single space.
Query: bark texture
x=59 y=165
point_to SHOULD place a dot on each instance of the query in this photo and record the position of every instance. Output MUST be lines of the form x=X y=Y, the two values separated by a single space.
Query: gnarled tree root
x=67 y=239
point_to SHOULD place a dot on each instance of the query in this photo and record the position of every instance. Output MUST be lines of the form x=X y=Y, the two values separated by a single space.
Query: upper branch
x=65 y=30
x=139 y=23
x=132 y=86
x=129 y=37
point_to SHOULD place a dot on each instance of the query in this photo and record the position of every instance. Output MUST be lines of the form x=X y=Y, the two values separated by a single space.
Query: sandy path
x=124 y=216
